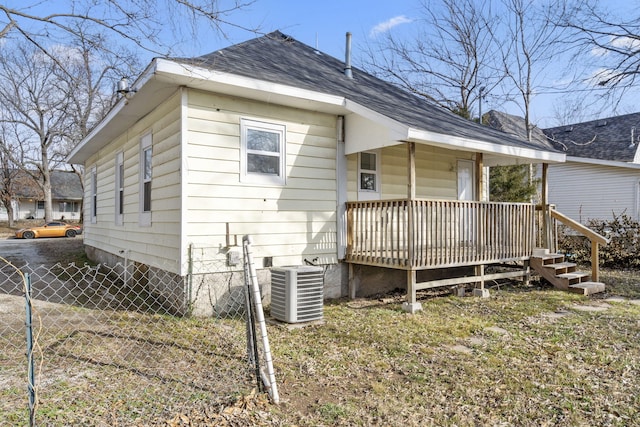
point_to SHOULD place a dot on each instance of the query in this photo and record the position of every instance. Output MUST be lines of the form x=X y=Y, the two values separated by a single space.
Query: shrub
x=622 y=250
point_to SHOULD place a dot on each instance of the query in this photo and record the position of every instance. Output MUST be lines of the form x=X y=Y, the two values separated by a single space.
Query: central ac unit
x=297 y=293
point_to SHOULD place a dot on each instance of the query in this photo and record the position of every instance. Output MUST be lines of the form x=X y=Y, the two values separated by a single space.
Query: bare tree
x=450 y=60
x=8 y=176
x=137 y=22
x=48 y=108
x=607 y=44
x=532 y=41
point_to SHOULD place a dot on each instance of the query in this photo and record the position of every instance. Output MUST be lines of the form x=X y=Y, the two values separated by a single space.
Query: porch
x=423 y=234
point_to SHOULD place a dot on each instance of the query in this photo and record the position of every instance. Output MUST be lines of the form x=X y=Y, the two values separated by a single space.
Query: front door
x=465 y=180
x=466 y=213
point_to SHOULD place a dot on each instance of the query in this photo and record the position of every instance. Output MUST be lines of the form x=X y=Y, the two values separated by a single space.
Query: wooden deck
x=430 y=234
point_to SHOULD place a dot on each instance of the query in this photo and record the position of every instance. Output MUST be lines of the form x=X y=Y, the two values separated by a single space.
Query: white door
x=465 y=180
x=466 y=214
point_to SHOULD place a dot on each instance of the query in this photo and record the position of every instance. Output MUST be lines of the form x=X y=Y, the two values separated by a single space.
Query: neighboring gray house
x=321 y=163
x=28 y=200
x=601 y=177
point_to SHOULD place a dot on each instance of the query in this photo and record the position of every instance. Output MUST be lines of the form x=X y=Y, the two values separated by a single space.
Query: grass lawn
x=523 y=357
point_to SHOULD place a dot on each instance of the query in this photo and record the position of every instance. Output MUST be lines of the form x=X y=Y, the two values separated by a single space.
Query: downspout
x=341 y=189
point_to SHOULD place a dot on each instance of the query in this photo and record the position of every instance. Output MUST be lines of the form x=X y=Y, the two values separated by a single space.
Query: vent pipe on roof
x=347 y=62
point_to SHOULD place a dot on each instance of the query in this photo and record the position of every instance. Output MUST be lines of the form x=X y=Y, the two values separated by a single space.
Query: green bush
x=622 y=250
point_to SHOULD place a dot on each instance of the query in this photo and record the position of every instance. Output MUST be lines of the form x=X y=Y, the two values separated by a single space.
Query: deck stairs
x=563 y=275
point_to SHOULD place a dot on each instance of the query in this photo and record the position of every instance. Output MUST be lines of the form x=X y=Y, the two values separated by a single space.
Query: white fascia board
x=600 y=162
x=465 y=144
x=193 y=76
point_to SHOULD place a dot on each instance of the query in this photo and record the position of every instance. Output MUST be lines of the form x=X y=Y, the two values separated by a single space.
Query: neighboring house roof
x=64 y=186
x=514 y=125
x=278 y=69
x=611 y=139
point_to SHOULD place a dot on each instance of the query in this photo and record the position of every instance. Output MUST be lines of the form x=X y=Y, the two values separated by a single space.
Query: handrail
x=585 y=231
x=594 y=237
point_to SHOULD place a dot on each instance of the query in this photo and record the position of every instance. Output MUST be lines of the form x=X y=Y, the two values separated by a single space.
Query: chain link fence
x=119 y=345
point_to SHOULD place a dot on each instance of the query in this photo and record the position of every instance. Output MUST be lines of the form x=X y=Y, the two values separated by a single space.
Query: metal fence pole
x=30 y=362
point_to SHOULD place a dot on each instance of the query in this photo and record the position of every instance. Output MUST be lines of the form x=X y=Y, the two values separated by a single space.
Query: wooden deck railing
x=424 y=234
x=595 y=239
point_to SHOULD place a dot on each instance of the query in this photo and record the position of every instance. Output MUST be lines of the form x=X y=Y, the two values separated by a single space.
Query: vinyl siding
x=290 y=223
x=159 y=244
x=584 y=192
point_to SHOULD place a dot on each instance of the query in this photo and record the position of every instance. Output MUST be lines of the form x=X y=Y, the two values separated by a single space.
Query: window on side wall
x=94 y=195
x=119 y=191
x=145 y=180
x=368 y=175
x=263 y=152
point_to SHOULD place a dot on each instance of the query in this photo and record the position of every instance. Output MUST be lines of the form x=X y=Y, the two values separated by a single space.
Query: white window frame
x=368 y=194
x=146 y=146
x=119 y=189
x=246 y=126
x=93 y=186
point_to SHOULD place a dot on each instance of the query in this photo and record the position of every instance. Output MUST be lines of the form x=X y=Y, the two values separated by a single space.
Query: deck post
x=595 y=267
x=546 y=233
x=412 y=305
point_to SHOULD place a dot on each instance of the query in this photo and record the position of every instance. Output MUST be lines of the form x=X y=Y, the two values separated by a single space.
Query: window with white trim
x=262 y=152
x=119 y=195
x=369 y=172
x=94 y=195
x=145 y=180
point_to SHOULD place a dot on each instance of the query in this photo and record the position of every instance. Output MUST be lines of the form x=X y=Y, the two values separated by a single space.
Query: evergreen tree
x=511 y=184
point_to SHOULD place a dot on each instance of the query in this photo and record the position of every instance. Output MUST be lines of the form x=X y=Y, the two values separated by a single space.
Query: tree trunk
x=46 y=188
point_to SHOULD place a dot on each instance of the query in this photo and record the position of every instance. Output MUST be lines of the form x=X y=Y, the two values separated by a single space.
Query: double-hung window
x=263 y=152
x=369 y=175
x=119 y=181
x=145 y=180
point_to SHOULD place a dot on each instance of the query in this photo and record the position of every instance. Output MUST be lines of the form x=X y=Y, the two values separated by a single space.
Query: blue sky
x=323 y=23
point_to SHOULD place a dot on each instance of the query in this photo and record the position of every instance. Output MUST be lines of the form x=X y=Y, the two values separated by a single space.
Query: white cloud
x=619 y=43
x=627 y=43
x=385 y=26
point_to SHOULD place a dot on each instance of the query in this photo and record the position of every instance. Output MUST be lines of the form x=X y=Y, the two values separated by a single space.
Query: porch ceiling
x=368 y=130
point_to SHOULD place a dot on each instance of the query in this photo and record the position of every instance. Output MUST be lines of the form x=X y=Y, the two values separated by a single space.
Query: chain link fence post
x=30 y=361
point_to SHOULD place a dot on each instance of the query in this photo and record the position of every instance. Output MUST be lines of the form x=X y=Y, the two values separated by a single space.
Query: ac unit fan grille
x=297 y=293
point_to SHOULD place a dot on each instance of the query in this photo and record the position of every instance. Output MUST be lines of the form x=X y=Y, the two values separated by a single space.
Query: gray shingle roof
x=604 y=139
x=64 y=186
x=278 y=58
x=514 y=125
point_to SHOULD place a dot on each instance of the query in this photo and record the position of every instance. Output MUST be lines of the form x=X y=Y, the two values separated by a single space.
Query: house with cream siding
x=319 y=162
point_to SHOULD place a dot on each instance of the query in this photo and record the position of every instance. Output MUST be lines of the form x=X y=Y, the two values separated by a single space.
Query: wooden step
x=574 y=277
x=563 y=275
x=550 y=258
x=587 y=288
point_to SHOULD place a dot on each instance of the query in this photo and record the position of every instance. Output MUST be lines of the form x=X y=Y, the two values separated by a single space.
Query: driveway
x=41 y=251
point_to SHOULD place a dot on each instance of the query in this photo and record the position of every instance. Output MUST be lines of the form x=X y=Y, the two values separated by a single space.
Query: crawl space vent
x=296 y=293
